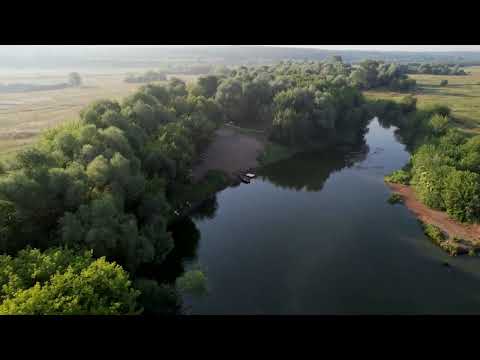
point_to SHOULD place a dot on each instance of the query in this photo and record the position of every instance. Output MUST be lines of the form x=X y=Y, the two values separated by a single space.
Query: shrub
x=395 y=199
x=462 y=195
x=434 y=233
x=399 y=177
x=61 y=281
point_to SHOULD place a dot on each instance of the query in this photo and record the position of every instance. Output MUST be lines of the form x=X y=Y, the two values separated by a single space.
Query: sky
x=377 y=47
x=374 y=47
x=391 y=47
x=442 y=48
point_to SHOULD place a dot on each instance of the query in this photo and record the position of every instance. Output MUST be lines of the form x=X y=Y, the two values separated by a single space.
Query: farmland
x=461 y=94
x=23 y=116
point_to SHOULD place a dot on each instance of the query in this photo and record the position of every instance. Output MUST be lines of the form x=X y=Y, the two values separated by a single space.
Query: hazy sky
x=392 y=47
x=29 y=48
x=379 y=47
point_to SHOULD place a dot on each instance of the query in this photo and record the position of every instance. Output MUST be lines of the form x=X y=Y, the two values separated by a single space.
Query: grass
x=23 y=116
x=461 y=94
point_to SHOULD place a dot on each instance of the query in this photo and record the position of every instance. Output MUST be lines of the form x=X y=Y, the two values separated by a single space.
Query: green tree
x=62 y=282
x=462 y=195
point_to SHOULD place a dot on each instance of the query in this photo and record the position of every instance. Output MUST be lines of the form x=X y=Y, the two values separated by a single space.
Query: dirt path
x=230 y=151
x=438 y=218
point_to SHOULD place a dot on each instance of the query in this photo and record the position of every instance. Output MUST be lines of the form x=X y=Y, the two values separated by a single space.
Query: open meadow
x=461 y=94
x=24 y=115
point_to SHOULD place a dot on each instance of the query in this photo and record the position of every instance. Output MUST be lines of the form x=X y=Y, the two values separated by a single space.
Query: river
x=315 y=235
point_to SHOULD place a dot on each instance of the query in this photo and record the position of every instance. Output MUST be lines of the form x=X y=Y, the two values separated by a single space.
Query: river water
x=315 y=235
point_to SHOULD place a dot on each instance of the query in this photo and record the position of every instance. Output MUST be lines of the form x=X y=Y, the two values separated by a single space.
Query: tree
x=74 y=79
x=462 y=195
x=444 y=83
x=207 y=86
x=63 y=282
x=439 y=124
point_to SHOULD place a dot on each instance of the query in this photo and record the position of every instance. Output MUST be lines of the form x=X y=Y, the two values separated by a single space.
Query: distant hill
x=141 y=56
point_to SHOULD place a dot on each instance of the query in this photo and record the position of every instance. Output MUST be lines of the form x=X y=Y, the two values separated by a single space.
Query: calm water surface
x=315 y=235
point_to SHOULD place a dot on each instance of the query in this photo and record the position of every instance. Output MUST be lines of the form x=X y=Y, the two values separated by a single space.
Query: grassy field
x=462 y=95
x=23 y=116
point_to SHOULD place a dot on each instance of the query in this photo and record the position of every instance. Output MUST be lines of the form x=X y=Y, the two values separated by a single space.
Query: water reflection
x=310 y=171
x=206 y=210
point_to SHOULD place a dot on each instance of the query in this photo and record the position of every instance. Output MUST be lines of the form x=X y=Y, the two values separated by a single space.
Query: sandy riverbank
x=468 y=233
x=230 y=151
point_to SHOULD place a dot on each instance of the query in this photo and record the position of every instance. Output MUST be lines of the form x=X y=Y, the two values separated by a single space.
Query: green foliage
x=442 y=110
x=399 y=177
x=434 y=233
x=439 y=124
x=211 y=183
x=409 y=104
x=207 y=86
x=395 y=199
x=372 y=74
x=158 y=299
x=148 y=76
x=444 y=83
x=462 y=195
x=61 y=281
x=192 y=282
x=435 y=69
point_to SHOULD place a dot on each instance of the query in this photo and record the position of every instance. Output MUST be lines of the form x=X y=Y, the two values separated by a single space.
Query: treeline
x=74 y=80
x=444 y=168
x=104 y=183
x=148 y=76
x=435 y=69
x=299 y=103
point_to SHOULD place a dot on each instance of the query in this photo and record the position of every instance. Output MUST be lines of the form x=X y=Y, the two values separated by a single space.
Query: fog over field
x=115 y=56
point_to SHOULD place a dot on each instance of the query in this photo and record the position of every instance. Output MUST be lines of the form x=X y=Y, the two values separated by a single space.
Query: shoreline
x=460 y=238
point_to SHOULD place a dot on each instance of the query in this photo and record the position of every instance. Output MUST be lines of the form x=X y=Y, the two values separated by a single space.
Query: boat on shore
x=244 y=179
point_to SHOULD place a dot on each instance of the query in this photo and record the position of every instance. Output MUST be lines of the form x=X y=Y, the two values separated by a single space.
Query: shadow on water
x=315 y=235
x=186 y=237
x=310 y=171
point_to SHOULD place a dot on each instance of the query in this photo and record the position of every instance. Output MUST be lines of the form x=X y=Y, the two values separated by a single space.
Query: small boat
x=250 y=175
x=244 y=179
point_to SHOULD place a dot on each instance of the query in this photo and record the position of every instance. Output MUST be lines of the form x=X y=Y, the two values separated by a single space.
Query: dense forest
x=146 y=77
x=435 y=69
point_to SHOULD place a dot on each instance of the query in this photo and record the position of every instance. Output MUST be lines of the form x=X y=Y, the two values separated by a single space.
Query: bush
x=408 y=103
x=193 y=282
x=462 y=195
x=439 y=109
x=61 y=281
x=444 y=83
x=395 y=199
x=399 y=177
x=434 y=233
